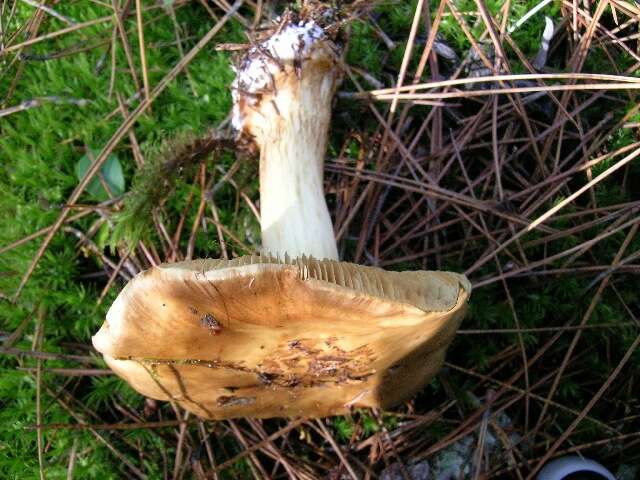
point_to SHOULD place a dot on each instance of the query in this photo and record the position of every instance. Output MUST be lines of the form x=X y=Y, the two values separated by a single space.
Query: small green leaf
x=111 y=172
x=102 y=237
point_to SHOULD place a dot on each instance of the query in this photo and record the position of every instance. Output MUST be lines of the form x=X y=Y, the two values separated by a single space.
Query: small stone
x=416 y=471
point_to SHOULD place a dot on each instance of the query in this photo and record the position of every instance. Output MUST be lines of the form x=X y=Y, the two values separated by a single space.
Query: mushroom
x=283 y=333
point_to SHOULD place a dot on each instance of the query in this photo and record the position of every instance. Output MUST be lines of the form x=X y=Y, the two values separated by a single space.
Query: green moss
x=39 y=148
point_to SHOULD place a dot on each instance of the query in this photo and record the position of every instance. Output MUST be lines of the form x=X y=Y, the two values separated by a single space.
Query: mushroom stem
x=288 y=117
x=294 y=214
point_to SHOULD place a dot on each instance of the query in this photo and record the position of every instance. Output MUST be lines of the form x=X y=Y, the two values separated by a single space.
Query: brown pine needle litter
x=452 y=146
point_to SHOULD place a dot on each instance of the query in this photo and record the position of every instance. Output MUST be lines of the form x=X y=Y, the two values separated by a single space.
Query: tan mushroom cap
x=296 y=337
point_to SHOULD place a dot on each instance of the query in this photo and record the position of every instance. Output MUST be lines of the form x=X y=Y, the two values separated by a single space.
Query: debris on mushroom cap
x=291 y=44
x=293 y=337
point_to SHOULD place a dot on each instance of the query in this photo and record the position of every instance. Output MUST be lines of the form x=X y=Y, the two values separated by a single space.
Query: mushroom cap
x=262 y=337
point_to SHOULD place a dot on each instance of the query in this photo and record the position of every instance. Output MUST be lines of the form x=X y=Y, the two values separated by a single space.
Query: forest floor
x=528 y=182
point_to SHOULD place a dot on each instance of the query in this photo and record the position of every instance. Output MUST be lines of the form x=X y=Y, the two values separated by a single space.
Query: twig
x=336 y=448
x=72 y=459
x=37 y=343
x=143 y=53
x=49 y=36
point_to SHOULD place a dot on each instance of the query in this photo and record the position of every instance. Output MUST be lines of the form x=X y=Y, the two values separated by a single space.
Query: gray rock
x=416 y=471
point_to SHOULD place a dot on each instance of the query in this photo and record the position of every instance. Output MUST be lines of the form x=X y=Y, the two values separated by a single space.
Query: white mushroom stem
x=288 y=111
x=294 y=214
